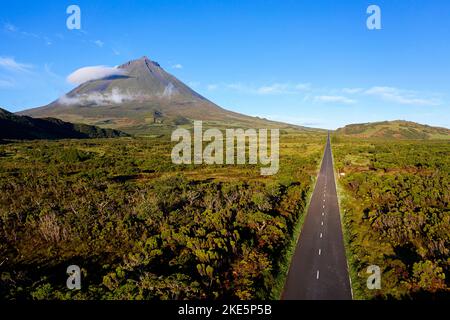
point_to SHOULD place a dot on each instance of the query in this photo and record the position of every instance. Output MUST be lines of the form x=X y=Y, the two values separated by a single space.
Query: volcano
x=141 y=95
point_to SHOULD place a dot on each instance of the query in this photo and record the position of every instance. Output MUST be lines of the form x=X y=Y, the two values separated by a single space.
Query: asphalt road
x=319 y=267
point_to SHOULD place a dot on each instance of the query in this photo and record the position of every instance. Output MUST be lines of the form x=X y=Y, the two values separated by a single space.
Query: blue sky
x=313 y=63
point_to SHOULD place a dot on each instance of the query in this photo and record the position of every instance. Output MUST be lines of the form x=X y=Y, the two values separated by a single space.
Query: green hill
x=397 y=129
x=26 y=128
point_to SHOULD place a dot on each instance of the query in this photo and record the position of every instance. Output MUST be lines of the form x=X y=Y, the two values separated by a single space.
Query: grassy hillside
x=394 y=130
x=16 y=127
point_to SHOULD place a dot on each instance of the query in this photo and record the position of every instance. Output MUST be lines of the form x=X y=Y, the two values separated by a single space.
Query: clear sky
x=312 y=63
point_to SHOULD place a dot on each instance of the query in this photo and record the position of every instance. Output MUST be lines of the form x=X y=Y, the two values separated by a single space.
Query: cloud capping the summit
x=93 y=73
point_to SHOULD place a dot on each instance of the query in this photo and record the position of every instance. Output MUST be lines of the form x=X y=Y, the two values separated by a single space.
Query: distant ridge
x=16 y=127
x=142 y=95
x=398 y=129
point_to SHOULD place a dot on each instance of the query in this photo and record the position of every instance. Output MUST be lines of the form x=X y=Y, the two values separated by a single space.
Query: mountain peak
x=147 y=60
x=140 y=95
x=143 y=61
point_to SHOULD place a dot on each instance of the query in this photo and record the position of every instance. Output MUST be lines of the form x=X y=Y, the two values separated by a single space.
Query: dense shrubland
x=396 y=199
x=141 y=228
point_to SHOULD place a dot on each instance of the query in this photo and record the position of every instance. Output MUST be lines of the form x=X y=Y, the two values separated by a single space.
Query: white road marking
x=320 y=251
x=322 y=222
x=317 y=276
x=3 y=262
x=324 y=206
x=323 y=213
x=321 y=235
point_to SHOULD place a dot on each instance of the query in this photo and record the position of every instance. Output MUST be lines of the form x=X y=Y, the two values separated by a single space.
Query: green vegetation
x=394 y=130
x=395 y=201
x=142 y=228
x=16 y=127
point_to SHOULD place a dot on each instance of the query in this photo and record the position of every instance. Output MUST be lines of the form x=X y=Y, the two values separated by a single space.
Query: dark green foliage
x=179 y=120
x=398 y=214
x=137 y=229
x=26 y=128
x=394 y=130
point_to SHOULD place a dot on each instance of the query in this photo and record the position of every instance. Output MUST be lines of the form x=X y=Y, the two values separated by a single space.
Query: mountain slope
x=142 y=95
x=397 y=129
x=22 y=127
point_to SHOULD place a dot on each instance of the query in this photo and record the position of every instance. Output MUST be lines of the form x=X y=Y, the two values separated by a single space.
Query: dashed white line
x=317 y=275
x=324 y=206
x=321 y=235
x=320 y=252
x=322 y=222
x=3 y=262
x=323 y=213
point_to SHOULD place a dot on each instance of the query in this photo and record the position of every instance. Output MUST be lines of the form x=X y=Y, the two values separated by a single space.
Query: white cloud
x=303 y=86
x=269 y=89
x=352 y=90
x=349 y=95
x=276 y=88
x=401 y=96
x=297 y=120
x=334 y=99
x=12 y=65
x=238 y=87
x=6 y=83
x=177 y=66
x=193 y=84
x=48 y=41
x=169 y=90
x=10 y=27
x=48 y=70
x=283 y=88
x=114 y=97
x=93 y=73
x=99 y=43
